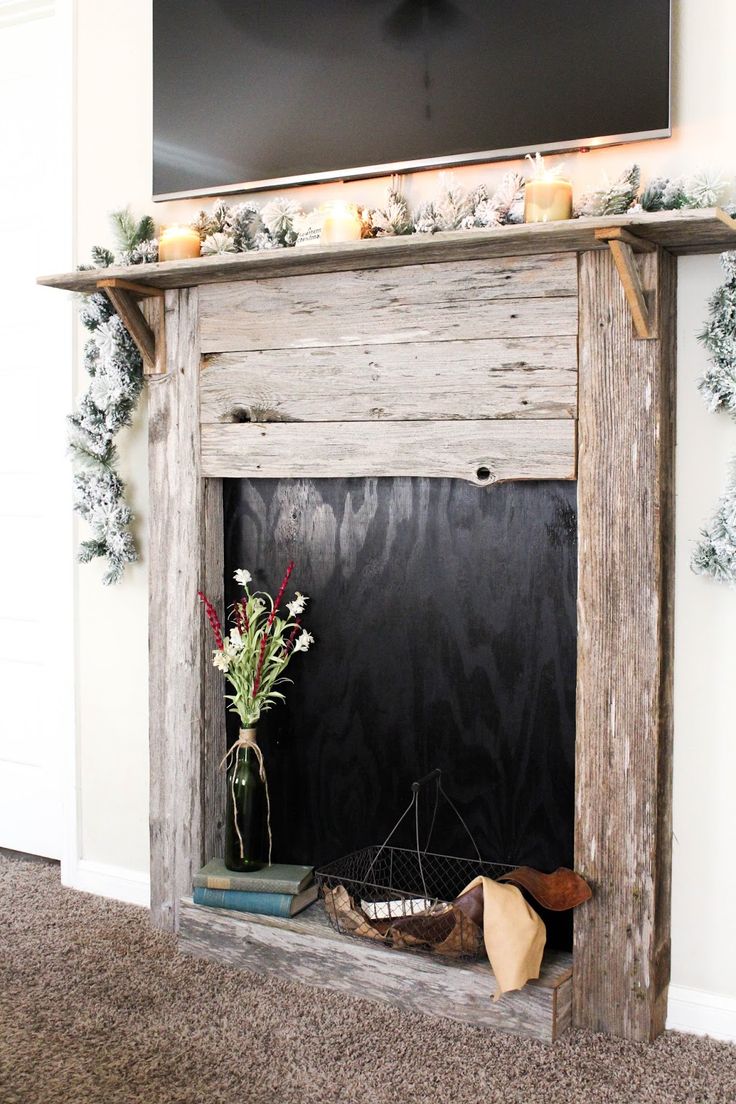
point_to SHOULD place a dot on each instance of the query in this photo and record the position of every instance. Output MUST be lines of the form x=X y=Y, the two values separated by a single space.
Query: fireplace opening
x=444 y=616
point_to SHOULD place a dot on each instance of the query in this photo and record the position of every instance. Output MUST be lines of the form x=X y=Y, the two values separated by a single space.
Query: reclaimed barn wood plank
x=176 y=626
x=624 y=697
x=504 y=378
x=344 y=324
x=234 y=317
x=482 y=452
x=548 y=276
x=682 y=232
x=306 y=949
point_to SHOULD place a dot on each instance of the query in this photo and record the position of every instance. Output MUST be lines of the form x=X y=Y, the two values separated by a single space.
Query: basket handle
x=433 y=775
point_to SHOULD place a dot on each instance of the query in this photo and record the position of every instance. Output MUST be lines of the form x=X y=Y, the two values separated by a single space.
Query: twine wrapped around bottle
x=247 y=739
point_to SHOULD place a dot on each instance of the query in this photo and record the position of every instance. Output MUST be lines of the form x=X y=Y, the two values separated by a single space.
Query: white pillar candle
x=341 y=223
x=178 y=243
x=547 y=199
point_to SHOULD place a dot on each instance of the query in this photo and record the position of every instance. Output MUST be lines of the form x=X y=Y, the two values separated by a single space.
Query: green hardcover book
x=279 y=878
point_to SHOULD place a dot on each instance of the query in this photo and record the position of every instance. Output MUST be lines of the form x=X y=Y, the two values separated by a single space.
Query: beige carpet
x=97 y=1007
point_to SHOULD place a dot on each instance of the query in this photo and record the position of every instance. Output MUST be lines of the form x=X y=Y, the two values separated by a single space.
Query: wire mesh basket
x=410 y=899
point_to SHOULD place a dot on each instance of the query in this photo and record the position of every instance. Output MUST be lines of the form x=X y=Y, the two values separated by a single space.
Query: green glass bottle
x=245 y=821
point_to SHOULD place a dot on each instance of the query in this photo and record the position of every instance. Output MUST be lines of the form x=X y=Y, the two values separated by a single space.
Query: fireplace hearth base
x=306 y=949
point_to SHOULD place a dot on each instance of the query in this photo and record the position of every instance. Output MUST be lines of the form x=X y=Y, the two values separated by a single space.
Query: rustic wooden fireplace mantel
x=532 y=352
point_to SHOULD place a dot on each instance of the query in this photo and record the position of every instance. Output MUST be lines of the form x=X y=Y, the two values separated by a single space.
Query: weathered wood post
x=623 y=814
x=185 y=553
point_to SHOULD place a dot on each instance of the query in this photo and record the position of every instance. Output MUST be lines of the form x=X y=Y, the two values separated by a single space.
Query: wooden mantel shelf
x=681 y=232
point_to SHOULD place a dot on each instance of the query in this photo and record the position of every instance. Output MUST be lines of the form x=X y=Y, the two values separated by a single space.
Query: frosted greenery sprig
x=715 y=552
x=704 y=188
x=259 y=647
x=615 y=199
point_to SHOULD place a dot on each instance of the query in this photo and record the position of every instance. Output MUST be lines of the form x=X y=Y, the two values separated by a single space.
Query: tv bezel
x=363 y=172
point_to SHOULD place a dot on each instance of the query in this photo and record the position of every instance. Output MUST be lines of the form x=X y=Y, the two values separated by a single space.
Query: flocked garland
x=114 y=365
x=116 y=378
x=715 y=553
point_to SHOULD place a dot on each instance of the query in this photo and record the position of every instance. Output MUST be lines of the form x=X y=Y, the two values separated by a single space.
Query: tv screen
x=252 y=94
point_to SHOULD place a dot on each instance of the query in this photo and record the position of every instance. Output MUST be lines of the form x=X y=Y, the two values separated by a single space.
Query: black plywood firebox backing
x=445 y=628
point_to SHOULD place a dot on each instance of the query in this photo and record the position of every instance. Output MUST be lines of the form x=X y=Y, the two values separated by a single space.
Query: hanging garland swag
x=116 y=372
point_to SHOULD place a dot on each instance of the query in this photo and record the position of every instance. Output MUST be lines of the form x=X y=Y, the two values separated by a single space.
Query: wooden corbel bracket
x=642 y=304
x=148 y=336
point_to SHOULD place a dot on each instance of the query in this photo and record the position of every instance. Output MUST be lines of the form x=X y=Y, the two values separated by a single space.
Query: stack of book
x=277 y=890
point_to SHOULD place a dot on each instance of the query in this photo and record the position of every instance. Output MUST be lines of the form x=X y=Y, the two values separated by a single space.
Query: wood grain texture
x=481 y=452
x=269 y=302
x=214 y=742
x=624 y=722
x=153 y=307
x=504 y=378
x=628 y=271
x=562 y=1010
x=682 y=232
x=444 y=619
x=306 y=949
x=176 y=625
x=236 y=317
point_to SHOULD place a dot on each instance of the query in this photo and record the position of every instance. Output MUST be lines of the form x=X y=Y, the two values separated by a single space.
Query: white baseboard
x=701 y=1013
x=105 y=880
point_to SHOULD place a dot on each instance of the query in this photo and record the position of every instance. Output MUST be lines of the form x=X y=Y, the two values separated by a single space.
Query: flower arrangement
x=259 y=647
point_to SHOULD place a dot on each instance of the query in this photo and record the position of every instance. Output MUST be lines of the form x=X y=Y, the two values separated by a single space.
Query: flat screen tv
x=254 y=94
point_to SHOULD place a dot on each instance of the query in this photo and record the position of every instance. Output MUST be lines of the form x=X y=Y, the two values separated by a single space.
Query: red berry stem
x=292 y=635
x=212 y=617
x=269 y=623
x=279 y=596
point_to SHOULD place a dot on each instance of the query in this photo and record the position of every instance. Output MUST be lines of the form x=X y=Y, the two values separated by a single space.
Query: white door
x=36 y=556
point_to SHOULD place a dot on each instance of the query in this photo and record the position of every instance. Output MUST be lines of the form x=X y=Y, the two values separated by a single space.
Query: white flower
x=297 y=606
x=242 y=576
x=279 y=215
x=221 y=660
x=218 y=243
x=236 y=640
x=303 y=642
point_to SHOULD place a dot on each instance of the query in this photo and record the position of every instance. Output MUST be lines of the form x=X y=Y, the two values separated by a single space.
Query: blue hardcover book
x=266 y=904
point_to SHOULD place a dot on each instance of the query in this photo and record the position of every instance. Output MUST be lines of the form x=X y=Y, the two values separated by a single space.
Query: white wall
x=114 y=168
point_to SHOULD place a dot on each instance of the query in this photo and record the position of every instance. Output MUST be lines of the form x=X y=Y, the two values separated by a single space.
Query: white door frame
x=58 y=242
